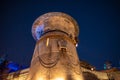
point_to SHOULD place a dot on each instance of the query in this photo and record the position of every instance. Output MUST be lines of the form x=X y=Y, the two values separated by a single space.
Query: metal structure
x=55 y=56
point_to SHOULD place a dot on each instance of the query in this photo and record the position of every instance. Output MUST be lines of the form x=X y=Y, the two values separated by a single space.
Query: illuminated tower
x=55 y=56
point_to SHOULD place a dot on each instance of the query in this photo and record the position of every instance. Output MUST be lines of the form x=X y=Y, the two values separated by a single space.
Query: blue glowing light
x=39 y=31
x=13 y=66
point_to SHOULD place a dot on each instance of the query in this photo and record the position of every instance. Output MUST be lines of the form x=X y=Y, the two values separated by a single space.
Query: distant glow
x=76 y=45
x=105 y=66
x=92 y=69
x=59 y=79
x=40 y=79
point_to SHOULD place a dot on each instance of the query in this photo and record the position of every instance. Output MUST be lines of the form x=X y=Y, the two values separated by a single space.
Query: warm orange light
x=59 y=79
x=92 y=69
x=47 y=43
x=40 y=78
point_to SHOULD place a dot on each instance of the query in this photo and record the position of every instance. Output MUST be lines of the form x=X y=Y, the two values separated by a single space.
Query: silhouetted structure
x=107 y=65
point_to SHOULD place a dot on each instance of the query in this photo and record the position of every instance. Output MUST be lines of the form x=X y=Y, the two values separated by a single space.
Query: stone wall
x=22 y=75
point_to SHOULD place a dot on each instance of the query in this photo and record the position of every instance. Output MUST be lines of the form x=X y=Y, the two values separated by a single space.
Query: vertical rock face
x=55 y=56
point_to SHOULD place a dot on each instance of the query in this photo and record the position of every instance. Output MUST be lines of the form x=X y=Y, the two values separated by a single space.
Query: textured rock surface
x=55 y=56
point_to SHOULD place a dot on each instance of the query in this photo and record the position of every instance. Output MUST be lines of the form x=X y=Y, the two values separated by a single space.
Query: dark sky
x=99 y=22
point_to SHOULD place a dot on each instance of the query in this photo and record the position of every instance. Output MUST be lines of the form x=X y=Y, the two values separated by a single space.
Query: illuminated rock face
x=55 y=56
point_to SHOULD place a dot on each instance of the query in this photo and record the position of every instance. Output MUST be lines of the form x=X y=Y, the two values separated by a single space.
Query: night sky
x=99 y=21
